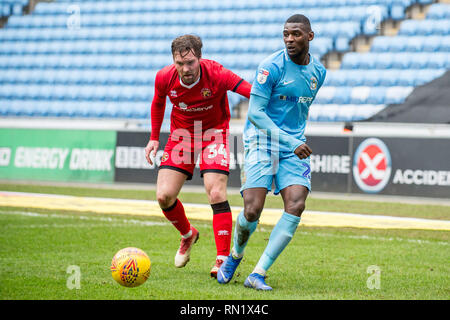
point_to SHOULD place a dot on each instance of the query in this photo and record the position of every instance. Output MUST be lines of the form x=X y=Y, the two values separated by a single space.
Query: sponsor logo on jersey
x=183 y=106
x=173 y=93
x=372 y=165
x=206 y=93
x=206 y=108
x=313 y=84
x=296 y=99
x=262 y=76
x=164 y=157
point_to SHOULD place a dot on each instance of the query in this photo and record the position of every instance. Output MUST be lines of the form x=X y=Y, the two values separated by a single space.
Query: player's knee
x=252 y=211
x=295 y=207
x=217 y=195
x=165 y=200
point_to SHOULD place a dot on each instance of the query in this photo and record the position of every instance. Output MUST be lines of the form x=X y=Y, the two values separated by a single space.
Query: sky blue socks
x=281 y=235
x=242 y=232
x=279 y=238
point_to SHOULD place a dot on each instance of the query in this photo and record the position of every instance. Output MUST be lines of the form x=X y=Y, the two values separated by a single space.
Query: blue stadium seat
x=367 y=60
x=432 y=44
x=428 y=75
x=372 y=77
x=359 y=94
x=408 y=28
x=363 y=112
x=406 y=78
x=384 y=60
x=438 y=60
x=439 y=11
x=376 y=95
x=401 y=60
x=326 y=95
x=417 y=28
x=328 y=112
x=354 y=78
x=346 y=112
x=388 y=77
x=398 y=12
x=442 y=27
x=342 y=95
x=396 y=94
x=338 y=78
x=445 y=44
x=419 y=60
x=342 y=44
x=313 y=113
x=350 y=60
x=424 y=1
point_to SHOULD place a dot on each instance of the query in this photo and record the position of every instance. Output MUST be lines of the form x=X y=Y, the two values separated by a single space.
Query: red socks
x=222 y=225
x=176 y=215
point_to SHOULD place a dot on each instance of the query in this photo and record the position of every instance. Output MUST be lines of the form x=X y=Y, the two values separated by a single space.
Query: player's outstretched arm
x=258 y=116
x=244 y=89
x=157 y=116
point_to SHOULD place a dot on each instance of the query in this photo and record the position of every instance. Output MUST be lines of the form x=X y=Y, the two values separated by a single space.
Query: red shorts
x=210 y=155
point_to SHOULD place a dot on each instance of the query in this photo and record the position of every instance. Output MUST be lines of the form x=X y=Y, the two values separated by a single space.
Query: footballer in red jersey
x=199 y=134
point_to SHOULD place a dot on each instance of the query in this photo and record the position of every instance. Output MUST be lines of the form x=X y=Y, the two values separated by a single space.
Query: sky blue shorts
x=262 y=170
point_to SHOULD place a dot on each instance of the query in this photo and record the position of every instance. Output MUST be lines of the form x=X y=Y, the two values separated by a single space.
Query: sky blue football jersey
x=290 y=88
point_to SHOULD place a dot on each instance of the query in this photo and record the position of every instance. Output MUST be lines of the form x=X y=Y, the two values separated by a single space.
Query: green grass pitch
x=38 y=247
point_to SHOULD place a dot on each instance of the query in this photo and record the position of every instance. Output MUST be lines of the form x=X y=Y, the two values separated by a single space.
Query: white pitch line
x=88 y=218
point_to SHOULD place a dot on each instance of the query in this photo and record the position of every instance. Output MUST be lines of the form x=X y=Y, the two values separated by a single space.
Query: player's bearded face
x=296 y=38
x=188 y=66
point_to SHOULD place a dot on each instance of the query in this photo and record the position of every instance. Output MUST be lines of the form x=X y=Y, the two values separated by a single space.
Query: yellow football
x=130 y=267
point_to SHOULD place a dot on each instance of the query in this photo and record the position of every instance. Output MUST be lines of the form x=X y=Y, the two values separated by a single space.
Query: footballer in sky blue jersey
x=282 y=94
x=275 y=146
x=290 y=89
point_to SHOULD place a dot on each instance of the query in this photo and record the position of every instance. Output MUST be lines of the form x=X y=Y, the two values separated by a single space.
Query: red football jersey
x=205 y=100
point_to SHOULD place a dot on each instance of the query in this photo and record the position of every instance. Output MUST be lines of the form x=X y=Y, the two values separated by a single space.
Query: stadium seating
x=89 y=58
x=388 y=73
x=12 y=7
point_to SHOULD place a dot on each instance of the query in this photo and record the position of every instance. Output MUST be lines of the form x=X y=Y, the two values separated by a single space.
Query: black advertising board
x=342 y=164
x=330 y=163
x=131 y=165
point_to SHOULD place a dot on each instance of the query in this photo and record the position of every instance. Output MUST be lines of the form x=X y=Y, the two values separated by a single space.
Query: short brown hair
x=186 y=43
x=300 y=18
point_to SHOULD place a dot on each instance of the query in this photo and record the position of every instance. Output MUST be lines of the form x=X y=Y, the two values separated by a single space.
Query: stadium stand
x=427 y=104
x=391 y=70
x=12 y=7
x=99 y=58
